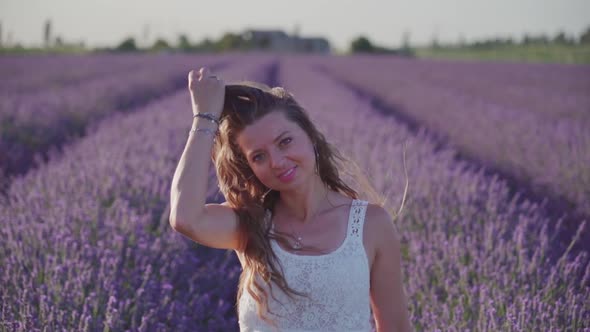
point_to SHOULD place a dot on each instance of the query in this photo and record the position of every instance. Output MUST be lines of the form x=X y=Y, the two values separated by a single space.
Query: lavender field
x=530 y=122
x=87 y=245
x=46 y=105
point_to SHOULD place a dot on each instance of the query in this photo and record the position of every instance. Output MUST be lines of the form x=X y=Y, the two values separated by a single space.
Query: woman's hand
x=207 y=92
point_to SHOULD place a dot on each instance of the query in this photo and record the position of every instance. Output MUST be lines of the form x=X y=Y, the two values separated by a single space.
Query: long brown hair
x=244 y=103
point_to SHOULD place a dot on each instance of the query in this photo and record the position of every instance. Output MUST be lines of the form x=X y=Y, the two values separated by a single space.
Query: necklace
x=298 y=239
x=298 y=244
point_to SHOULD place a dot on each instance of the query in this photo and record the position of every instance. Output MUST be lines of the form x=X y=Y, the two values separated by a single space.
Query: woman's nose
x=277 y=160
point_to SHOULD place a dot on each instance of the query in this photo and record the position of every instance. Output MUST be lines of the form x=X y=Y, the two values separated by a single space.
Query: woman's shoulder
x=379 y=224
x=378 y=216
x=379 y=231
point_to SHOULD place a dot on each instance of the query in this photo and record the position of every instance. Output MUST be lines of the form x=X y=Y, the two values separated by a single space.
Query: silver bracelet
x=206 y=130
x=207 y=116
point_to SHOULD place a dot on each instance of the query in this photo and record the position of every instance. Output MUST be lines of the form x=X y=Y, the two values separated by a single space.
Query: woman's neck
x=303 y=204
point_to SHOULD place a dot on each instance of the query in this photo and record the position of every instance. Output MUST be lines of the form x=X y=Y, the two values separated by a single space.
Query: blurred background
x=527 y=30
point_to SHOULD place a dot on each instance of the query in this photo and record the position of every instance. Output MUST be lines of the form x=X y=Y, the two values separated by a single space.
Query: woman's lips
x=288 y=175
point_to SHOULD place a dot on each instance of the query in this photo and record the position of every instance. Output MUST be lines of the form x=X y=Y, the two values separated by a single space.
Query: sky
x=108 y=22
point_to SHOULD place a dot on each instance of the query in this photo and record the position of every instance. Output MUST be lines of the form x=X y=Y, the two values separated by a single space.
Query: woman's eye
x=284 y=141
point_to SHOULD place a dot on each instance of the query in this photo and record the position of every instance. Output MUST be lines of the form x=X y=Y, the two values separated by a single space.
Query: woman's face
x=278 y=151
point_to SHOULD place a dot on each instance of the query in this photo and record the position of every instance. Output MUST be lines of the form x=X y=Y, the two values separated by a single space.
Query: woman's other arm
x=388 y=299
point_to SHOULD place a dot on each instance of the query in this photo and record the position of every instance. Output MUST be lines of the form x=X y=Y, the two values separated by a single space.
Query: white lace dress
x=338 y=285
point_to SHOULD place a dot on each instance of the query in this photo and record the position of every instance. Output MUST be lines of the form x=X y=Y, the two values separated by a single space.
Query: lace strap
x=357 y=220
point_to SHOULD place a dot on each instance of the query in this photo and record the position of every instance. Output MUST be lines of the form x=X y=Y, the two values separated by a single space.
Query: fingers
x=203 y=72
x=197 y=76
x=206 y=73
x=193 y=75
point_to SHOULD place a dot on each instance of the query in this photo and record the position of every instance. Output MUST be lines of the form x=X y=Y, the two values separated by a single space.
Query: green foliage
x=206 y=45
x=551 y=53
x=561 y=38
x=361 y=45
x=183 y=43
x=528 y=40
x=160 y=45
x=128 y=45
x=585 y=38
x=229 y=41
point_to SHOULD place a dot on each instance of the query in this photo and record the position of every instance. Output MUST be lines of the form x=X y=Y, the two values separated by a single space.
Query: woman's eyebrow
x=276 y=139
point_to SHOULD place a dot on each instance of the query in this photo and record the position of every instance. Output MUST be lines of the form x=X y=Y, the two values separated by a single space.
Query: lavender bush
x=20 y=74
x=34 y=121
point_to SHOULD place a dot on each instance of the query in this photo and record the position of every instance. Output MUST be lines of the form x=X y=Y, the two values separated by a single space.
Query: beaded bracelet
x=207 y=116
x=206 y=130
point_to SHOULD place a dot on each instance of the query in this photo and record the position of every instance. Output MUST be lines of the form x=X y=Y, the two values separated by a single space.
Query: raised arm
x=213 y=225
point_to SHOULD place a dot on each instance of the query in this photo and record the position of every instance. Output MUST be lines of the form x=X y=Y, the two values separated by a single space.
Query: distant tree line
x=50 y=40
x=559 y=39
x=228 y=42
x=362 y=44
x=237 y=42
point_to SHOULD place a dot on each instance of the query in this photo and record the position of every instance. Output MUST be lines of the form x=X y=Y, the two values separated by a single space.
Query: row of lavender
x=528 y=121
x=59 y=104
x=86 y=241
x=474 y=257
x=552 y=91
x=28 y=74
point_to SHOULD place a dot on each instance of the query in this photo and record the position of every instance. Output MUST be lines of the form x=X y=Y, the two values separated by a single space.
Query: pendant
x=297 y=244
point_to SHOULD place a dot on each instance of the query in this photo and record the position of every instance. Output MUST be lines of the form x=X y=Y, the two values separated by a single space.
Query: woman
x=314 y=256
